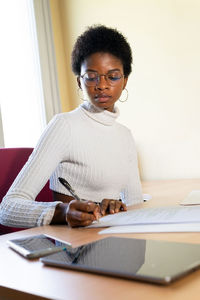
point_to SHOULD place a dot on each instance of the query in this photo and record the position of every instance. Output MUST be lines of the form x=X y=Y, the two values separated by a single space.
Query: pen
x=69 y=188
x=66 y=184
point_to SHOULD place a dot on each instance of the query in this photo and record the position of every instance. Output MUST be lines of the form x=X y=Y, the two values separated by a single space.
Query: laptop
x=160 y=262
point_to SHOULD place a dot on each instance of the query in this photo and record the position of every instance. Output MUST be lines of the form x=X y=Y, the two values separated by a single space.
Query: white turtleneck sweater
x=88 y=148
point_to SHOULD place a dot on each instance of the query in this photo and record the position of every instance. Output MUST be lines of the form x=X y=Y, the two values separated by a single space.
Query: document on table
x=193 y=198
x=155 y=215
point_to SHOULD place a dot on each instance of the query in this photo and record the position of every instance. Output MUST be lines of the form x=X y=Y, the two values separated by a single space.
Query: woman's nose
x=102 y=83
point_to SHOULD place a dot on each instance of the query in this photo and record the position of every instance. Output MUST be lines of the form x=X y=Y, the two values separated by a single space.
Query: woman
x=86 y=146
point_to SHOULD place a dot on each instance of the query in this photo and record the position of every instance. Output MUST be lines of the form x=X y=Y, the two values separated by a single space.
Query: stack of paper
x=158 y=219
x=151 y=228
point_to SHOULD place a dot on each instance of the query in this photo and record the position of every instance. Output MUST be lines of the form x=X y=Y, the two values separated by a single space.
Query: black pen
x=66 y=184
x=69 y=188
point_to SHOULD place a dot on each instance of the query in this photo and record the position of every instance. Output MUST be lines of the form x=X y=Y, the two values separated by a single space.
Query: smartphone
x=37 y=246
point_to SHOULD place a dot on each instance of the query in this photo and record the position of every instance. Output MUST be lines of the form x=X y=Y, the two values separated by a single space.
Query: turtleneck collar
x=100 y=115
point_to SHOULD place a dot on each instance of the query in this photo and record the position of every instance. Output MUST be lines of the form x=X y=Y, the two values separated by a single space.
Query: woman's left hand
x=111 y=206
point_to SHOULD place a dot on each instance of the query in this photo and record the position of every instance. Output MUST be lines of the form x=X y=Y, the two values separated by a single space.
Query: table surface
x=19 y=277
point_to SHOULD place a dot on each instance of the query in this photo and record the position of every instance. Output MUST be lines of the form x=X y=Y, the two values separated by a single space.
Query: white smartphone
x=37 y=246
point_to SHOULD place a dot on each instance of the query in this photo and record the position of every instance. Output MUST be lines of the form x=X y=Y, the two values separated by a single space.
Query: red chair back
x=11 y=162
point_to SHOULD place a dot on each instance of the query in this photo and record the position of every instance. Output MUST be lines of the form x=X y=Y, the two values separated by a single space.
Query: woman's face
x=105 y=91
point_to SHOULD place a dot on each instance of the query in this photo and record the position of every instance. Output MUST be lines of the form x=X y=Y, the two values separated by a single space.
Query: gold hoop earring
x=79 y=91
x=126 y=97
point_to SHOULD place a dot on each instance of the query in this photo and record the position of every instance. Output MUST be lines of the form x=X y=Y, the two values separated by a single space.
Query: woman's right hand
x=81 y=213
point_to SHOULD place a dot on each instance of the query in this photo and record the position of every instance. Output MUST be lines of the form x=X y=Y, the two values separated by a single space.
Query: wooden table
x=27 y=280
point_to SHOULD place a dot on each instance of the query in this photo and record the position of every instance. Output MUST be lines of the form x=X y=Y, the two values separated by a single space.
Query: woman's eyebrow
x=90 y=70
x=111 y=70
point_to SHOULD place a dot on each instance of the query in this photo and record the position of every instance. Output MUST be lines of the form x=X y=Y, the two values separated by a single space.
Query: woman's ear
x=79 y=82
x=125 y=82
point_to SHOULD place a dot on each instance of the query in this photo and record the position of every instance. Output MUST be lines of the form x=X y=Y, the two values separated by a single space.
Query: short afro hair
x=99 y=38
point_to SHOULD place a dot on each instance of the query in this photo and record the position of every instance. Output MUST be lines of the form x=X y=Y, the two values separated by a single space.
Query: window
x=24 y=107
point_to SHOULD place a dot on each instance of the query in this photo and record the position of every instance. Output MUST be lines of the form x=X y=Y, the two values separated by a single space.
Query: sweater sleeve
x=133 y=192
x=18 y=207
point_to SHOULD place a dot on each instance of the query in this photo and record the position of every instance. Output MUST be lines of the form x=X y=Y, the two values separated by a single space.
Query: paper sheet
x=192 y=199
x=191 y=227
x=157 y=215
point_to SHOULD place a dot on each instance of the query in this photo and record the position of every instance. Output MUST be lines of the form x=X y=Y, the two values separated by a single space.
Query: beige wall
x=163 y=109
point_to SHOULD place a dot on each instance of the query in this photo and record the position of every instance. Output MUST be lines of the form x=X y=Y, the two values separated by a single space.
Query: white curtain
x=47 y=58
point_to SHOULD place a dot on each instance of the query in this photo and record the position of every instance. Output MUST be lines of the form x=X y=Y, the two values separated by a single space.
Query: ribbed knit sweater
x=88 y=148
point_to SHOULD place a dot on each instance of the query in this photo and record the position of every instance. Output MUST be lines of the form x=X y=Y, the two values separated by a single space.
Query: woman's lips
x=102 y=98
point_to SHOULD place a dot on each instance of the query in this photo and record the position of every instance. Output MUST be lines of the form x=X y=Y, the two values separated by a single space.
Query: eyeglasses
x=92 y=78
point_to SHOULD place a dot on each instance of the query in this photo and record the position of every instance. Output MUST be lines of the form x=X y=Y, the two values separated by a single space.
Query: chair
x=11 y=161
